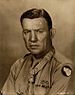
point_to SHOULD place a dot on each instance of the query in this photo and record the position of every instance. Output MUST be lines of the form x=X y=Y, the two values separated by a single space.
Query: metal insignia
x=66 y=70
x=44 y=83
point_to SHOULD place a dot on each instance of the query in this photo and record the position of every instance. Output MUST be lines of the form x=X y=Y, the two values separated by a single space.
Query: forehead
x=34 y=23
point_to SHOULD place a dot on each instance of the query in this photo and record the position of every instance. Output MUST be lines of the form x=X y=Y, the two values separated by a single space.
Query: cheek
x=43 y=38
x=43 y=41
x=25 y=39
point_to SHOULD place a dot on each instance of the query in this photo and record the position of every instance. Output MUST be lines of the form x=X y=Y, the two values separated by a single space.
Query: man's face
x=36 y=35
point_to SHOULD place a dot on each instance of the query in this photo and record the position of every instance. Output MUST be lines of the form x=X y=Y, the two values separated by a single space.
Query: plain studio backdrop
x=11 y=43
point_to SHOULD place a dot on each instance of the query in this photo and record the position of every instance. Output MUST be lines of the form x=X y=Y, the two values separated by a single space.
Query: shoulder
x=21 y=61
x=63 y=63
x=61 y=58
x=17 y=66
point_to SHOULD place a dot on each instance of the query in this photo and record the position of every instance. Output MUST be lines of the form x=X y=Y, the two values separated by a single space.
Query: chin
x=35 y=52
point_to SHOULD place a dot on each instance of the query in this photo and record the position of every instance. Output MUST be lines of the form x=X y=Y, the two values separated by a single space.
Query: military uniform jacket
x=51 y=76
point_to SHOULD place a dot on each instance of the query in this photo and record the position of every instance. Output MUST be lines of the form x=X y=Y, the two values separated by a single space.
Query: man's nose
x=33 y=36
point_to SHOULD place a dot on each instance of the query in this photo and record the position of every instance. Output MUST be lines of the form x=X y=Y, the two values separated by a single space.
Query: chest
x=43 y=81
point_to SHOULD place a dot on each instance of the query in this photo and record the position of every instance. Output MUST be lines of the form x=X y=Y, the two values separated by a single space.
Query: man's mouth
x=33 y=46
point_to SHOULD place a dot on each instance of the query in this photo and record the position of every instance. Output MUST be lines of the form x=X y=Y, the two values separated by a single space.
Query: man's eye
x=27 y=31
x=40 y=31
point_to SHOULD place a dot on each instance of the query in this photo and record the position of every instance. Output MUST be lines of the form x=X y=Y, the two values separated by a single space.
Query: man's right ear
x=52 y=32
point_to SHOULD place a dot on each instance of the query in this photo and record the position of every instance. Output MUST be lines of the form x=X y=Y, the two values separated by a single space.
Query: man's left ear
x=52 y=32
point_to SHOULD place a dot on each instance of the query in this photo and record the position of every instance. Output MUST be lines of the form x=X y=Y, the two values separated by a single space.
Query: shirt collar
x=45 y=59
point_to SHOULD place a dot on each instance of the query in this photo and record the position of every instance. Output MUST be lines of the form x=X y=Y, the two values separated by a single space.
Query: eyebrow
x=33 y=29
x=25 y=29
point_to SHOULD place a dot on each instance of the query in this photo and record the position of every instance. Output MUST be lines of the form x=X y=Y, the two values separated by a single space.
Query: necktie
x=31 y=82
x=34 y=71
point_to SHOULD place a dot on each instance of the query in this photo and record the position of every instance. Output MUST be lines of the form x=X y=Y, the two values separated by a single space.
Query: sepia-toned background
x=11 y=42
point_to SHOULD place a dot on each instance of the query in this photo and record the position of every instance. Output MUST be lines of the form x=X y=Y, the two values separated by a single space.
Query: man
x=43 y=71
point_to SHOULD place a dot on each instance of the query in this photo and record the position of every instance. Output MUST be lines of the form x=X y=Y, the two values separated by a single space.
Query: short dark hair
x=36 y=13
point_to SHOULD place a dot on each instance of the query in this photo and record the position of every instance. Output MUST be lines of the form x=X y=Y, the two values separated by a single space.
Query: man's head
x=37 y=25
x=36 y=13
